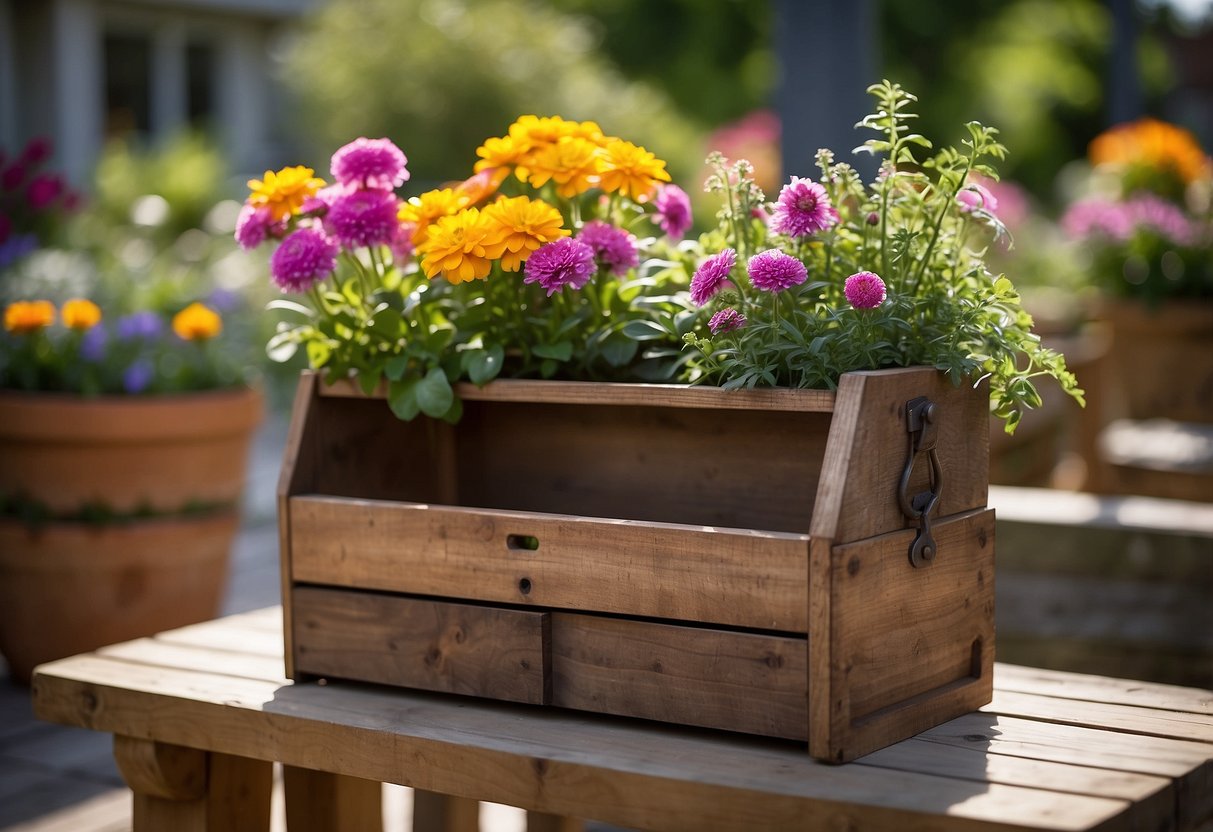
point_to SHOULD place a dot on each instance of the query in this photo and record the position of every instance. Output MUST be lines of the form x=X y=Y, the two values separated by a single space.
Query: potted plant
x=124 y=428
x=693 y=480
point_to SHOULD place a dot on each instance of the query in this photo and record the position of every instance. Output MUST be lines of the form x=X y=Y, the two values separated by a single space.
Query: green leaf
x=455 y=413
x=368 y=380
x=387 y=323
x=483 y=365
x=318 y=353
x=434 y=393
x=640 y=330
x=618 y=349
x=291 y=306
x=282 y=347
x=402 y=398
x=561 y=351
x=395 y=366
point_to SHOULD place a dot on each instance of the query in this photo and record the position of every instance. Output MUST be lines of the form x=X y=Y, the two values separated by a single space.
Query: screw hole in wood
x=524 y=586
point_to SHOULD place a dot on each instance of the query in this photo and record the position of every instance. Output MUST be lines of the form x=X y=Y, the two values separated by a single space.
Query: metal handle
x=921 y=415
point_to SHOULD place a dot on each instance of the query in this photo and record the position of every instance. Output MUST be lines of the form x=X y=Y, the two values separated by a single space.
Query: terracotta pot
x=1161 y=360
x=67 y=588
x=127 y=453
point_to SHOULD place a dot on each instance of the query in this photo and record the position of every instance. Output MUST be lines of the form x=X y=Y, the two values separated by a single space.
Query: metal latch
x=922 y=426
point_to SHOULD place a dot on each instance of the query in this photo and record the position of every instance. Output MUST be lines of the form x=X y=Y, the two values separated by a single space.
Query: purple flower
x=712 y=276
x=43 y=190
x=318 y=204
x=305 y=257
x=560 y=263
x=137 y=377
x=254 y=224
x=1118 y=221
x=613 y=247
x=673 y=211
x=773 y=271
x=370 y=163
x=363 y=218
x=93 y=344
x=16 y=247
x=864 y=290
x=141 y=326
x=402 y=243
x=803 y=208
x=726 y=320
x=974 y=196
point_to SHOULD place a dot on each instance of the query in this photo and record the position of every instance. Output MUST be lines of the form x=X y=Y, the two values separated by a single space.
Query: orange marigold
x=462 y=247
x=80 y=314
x=197 y=323
x=631 y=170
x=423 y=211
x=525 y=225
x=1154 y=143
x=285 y=191
x=24 y=317
x=573 y=163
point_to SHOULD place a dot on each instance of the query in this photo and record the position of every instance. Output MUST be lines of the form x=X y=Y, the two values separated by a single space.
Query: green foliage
x=943 y=307
x=440 y=75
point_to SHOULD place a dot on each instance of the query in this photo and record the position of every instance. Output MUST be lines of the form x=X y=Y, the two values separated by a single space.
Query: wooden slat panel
x=1079 y=686
x=1127 y=718
x=730 y=577
x=641 y=777
x=907 y=647
x=629 y=394
x=431 y=645
x=692 y=676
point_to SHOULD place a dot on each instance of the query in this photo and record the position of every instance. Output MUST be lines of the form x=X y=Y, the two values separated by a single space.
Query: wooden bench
x=200 y=713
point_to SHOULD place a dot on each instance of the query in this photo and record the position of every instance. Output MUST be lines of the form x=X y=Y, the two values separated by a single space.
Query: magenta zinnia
x=673 y=211
x=803 y=208
x=254 y=224
x=363 y=218
x=773 y=271
x=726 y=320
x=864 y=290
x=370 y=163
x=712 y=276
x=560 y=263
x=305 y=257
x=613 y=247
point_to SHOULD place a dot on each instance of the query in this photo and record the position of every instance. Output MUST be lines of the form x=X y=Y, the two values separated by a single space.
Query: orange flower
x=285 y=191
x=631 y=170
x=481 y=186
x=1153 y=143
x=525 y=226
x=197 y=323
x=462 y=247
x=572 y=163
x=422 y=211
x=24 y=317
x=80 y=314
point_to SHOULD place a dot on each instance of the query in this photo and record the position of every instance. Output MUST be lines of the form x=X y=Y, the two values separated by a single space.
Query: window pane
x=127 y=84
x=200 y=78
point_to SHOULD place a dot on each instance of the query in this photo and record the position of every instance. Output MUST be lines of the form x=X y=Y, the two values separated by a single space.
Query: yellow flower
x=80 y=314
x=423 y=211
x=631 y=170
x=285 y=191
x=525 y=226
x=197 y=323
x=502 y=152
x=1153 y=143
x=24 y=317
x=572 y=163
x=462 y=247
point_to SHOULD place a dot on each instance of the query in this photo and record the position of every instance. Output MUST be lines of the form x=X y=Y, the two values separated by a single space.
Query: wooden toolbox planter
x=743 y=560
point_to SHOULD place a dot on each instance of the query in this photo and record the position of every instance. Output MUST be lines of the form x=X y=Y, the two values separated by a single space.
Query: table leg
x=317 y=801
x=188 y=790
x=433 y=812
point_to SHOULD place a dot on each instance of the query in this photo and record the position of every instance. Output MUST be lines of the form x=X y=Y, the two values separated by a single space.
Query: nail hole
x=522 y=542
x=525 y=586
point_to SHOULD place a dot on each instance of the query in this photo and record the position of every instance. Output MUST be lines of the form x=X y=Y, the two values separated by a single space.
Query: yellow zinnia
x=462 y=247
x=423 y=211
x=525 y=226
x=503 y=152
x=24 y=317
x=80 y=314
x=285 y=191
x=572 y=163
x=197 y=323
x=631 y=170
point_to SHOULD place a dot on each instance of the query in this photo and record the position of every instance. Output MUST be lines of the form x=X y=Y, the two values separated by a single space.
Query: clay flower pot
x=165 y=473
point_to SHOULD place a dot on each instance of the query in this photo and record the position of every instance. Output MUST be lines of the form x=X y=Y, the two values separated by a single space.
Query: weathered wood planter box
x=738 y=560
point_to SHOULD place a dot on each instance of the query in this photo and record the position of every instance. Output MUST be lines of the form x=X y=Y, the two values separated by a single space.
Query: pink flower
x=363 y=218
x=726 y=320
x=254 y=224
x=864 y=290
x=402 y=244
x=560 y=263
x=803 y=208
x=13 y=176
x=613 y=247
x=370 y=163
x=773 y=271
x=974 y=196
x=712 y=276
x=319 y=203
x=305 y=258
x=37 y=151
x=673 y=211
x=43 y=190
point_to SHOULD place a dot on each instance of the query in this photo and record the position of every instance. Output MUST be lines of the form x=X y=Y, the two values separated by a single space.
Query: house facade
x=84 y=71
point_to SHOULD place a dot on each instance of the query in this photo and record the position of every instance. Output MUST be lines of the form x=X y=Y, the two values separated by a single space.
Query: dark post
x=826 y=53
x=1124 y=85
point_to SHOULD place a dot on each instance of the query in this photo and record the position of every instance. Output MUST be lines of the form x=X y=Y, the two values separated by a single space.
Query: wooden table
x=199 y=714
